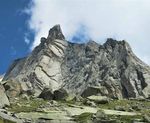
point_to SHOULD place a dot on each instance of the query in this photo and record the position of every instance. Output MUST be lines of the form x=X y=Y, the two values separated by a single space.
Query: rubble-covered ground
x=77 y=110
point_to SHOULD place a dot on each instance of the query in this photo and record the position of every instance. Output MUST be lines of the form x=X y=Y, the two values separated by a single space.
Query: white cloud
x=120 y=19
x=26 y=39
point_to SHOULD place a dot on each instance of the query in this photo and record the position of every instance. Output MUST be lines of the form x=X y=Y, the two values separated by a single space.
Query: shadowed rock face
x=57 y=63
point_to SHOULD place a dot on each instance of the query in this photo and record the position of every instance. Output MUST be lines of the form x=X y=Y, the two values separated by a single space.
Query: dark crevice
x=124 y=92
x=34 y=78
x=55 y=43
x=57 y=48
x=141 y=78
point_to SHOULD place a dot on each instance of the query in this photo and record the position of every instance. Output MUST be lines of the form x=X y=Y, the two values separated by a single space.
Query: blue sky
x=13 y=28
x=15 y=35
x=24 y=22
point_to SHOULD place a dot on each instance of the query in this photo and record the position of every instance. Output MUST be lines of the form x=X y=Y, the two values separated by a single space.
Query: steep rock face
x=1 y=77
x=112 y=66
x=56 y=63
x=3 y=98
x=42 y=68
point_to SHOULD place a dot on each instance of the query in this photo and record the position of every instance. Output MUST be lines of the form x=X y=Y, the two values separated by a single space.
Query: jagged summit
x=56 y=63
x=112 y=42
x=56 y=33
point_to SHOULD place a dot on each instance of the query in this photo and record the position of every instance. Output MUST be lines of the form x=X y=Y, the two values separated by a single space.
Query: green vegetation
x=127 y=104
x=32 y=105
x=23 y=105
x=125 y=119
x=144 y=109
x=5 y=121
x=85 y=117
x=128 y=119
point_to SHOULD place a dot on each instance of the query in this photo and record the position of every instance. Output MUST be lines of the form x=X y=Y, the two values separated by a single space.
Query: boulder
x=60 y=94
x=146 y=118
x=12 y=89
x=136 y=107
x=99 y=99
x=78 y=98
x=89 y=103
x=94 y=90
x=3 y=98
x=6 y=117
x=46 y=94
x=101 y=117
x=120 y=108
x=101 y=114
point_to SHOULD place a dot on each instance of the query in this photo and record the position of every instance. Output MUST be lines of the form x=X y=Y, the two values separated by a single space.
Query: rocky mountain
x=111 y=69
x=1 y=77
x=3 y=98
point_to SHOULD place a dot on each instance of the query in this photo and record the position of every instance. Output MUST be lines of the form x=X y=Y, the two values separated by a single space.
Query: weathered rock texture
x=60 y=94
x=46 y=94
x=3 y=98
x=1 y=77
x=57 y=63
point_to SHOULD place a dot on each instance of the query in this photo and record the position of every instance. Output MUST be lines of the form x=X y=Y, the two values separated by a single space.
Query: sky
x=13 y=32
x=24 y=22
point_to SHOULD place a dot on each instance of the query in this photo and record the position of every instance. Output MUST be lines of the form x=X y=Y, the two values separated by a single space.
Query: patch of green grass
x=127 y=119
x=5 y=121
x=26 y=105
x=113 y=104
x=83 y=118
x=127 y=104
x=69 y=102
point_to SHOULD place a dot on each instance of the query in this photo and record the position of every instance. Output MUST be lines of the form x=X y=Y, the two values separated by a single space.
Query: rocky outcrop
x=12 y=88
x=3 y=98
x=57 y=63
x=60 y=94
x=112 y=66
x=91 y=90
x=99 y=99
x=46 y=94
x=7 y=117
x=42 y=68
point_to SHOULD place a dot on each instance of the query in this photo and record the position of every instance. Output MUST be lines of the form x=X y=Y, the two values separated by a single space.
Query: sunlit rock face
x=42 y=68
x=1 y=77
x=57 y=63
x=3 y=98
